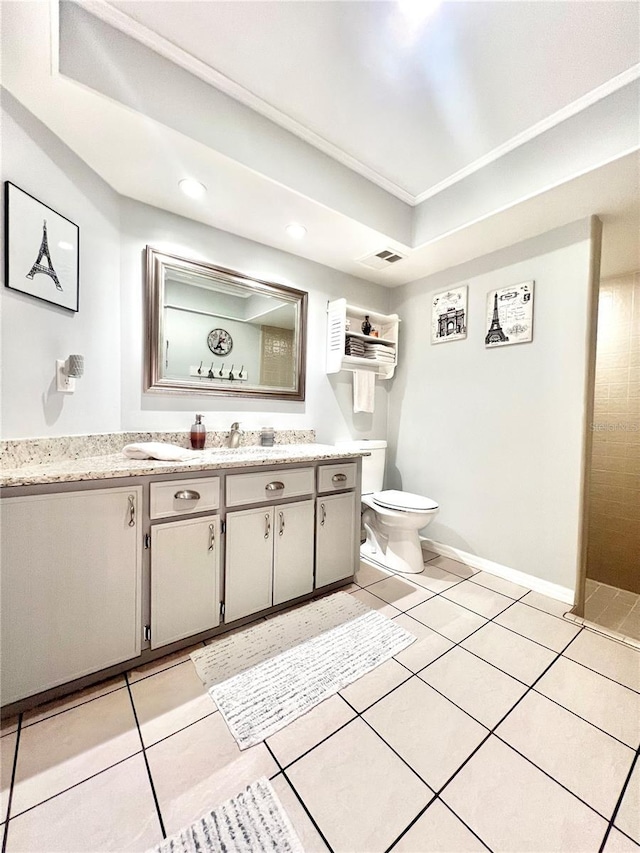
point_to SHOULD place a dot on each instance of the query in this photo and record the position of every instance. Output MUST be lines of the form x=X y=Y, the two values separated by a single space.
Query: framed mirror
x=216 y=331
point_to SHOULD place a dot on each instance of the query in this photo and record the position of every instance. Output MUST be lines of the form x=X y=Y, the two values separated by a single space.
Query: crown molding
x=599 y=93
x=121 y=21
x=103 y=10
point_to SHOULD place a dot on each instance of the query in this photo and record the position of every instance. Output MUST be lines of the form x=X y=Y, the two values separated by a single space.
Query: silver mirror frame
x=155 y=383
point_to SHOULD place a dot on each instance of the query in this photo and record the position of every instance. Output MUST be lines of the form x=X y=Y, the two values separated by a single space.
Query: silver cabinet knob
x=187 y=495
x=339 y=478
x=275 y=486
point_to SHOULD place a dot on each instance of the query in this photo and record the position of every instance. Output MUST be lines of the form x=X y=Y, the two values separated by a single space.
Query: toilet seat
x=403 y=501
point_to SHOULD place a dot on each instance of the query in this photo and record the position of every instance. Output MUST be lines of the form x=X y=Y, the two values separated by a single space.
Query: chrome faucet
x=234 y=435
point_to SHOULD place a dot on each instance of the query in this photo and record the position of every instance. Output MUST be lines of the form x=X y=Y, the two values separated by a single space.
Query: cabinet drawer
x=268 y=486
x=333 y=478
x=181 y=497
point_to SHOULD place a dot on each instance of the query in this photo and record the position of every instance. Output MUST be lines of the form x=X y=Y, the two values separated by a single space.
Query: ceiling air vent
x=381 y=260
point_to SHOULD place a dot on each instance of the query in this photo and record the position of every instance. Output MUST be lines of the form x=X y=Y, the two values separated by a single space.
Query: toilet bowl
x=391 y=518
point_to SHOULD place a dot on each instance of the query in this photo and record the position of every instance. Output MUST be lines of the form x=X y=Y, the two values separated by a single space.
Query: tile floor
x=613 y=608
x=503 y=727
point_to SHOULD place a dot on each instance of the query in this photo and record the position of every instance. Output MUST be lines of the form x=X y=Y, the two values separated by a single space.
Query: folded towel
x=158 y=450
x=364 y=389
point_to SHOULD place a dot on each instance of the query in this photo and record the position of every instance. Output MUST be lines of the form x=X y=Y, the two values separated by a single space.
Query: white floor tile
x=368 y=689
x=7 y=754
x=41 y=712
x=431 y=734
x=628 y=817
x=375 y=603
x=600 y=701
x=483 y=601
x=585 y=760
x=78 y=820
x=309 y=836
x=359 y=792
x=447 y=618
x=519 y=657
x=309 y=729
x=437 y=831
x=513 y=806
x=427 y=647
x=477 y=687
x=400 y=592
x=550 y=631
x=435 y=578
x=67 y=748
x=169 y=701
x=608 y=657
x=454 y=566
x=162 y=663
x=619 y=843
x=200 y=767
x=513 y=590
x=367 y=574
x=548 y=605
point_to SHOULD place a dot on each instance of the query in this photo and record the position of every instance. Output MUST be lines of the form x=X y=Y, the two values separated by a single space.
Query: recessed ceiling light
x=192 y=188
x=296 y=231
x=64 y=245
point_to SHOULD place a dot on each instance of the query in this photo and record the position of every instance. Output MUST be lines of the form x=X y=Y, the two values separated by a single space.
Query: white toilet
x=391 y=518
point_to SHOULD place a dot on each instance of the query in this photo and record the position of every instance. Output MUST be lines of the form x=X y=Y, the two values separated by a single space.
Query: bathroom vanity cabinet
x=71 y=586
x=99 y=576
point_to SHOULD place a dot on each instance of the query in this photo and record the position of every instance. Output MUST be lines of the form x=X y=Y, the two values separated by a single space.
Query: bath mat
x=262 y=700
x=252 y=822
x=231 y=654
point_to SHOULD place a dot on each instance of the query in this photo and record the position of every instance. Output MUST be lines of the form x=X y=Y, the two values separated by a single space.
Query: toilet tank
x=372 y=466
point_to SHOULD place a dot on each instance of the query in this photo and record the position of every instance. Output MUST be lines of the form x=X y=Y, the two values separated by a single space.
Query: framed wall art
x=510 y=315
x=42 y=250
x=449 y=315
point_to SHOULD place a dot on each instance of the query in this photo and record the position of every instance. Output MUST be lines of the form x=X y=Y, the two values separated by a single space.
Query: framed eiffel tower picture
x=42 y=250
x=510 y=315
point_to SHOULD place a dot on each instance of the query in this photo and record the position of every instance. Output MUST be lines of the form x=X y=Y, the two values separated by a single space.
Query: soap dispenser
x=198 y=434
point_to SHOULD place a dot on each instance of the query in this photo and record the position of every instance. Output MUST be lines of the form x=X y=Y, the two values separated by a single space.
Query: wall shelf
x=345 y=321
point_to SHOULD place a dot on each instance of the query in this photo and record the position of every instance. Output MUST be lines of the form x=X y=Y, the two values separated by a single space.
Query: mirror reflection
x=219 y=331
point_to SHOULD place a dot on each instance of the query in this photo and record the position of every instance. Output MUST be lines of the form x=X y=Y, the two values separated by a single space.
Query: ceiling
x=489 y=122
x=407 y=96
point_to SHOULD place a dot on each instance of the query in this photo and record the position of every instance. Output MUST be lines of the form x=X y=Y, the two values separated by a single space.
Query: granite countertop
x=108 y=466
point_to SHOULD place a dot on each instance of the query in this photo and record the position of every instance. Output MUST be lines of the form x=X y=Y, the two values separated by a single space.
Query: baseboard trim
x=553 y=590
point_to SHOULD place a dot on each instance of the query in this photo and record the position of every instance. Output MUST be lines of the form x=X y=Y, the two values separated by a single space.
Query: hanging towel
x=364 y=387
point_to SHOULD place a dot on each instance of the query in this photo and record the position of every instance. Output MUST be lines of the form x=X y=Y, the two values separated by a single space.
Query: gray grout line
x=146 y=761
x=485 y=739
x=7 y=817
x=359 y=716
x=299 y=796
x=619 y=803
x=76 y=784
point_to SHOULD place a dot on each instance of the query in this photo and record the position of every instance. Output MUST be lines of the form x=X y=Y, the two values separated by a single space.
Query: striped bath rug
x=252 y=822
x=259 y=701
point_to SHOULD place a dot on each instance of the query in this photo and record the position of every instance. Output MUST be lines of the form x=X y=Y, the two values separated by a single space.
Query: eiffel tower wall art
x=509 y=315
x=42 y=250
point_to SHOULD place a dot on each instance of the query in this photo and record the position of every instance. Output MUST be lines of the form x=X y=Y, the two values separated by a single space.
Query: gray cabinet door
x=71 y=586
x=248 y=569
x=293 y=551
x=335 y=537
x=185 y=596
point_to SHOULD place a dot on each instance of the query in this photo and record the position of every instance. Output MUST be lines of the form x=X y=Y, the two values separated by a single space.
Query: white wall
x=35 y=333
x=328 y=407
x=495 y=436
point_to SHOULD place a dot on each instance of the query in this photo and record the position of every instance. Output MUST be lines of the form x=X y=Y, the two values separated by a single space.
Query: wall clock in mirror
x=220 y=342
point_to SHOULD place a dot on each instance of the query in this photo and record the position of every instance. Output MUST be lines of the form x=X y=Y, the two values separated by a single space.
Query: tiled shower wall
x=614 y=523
